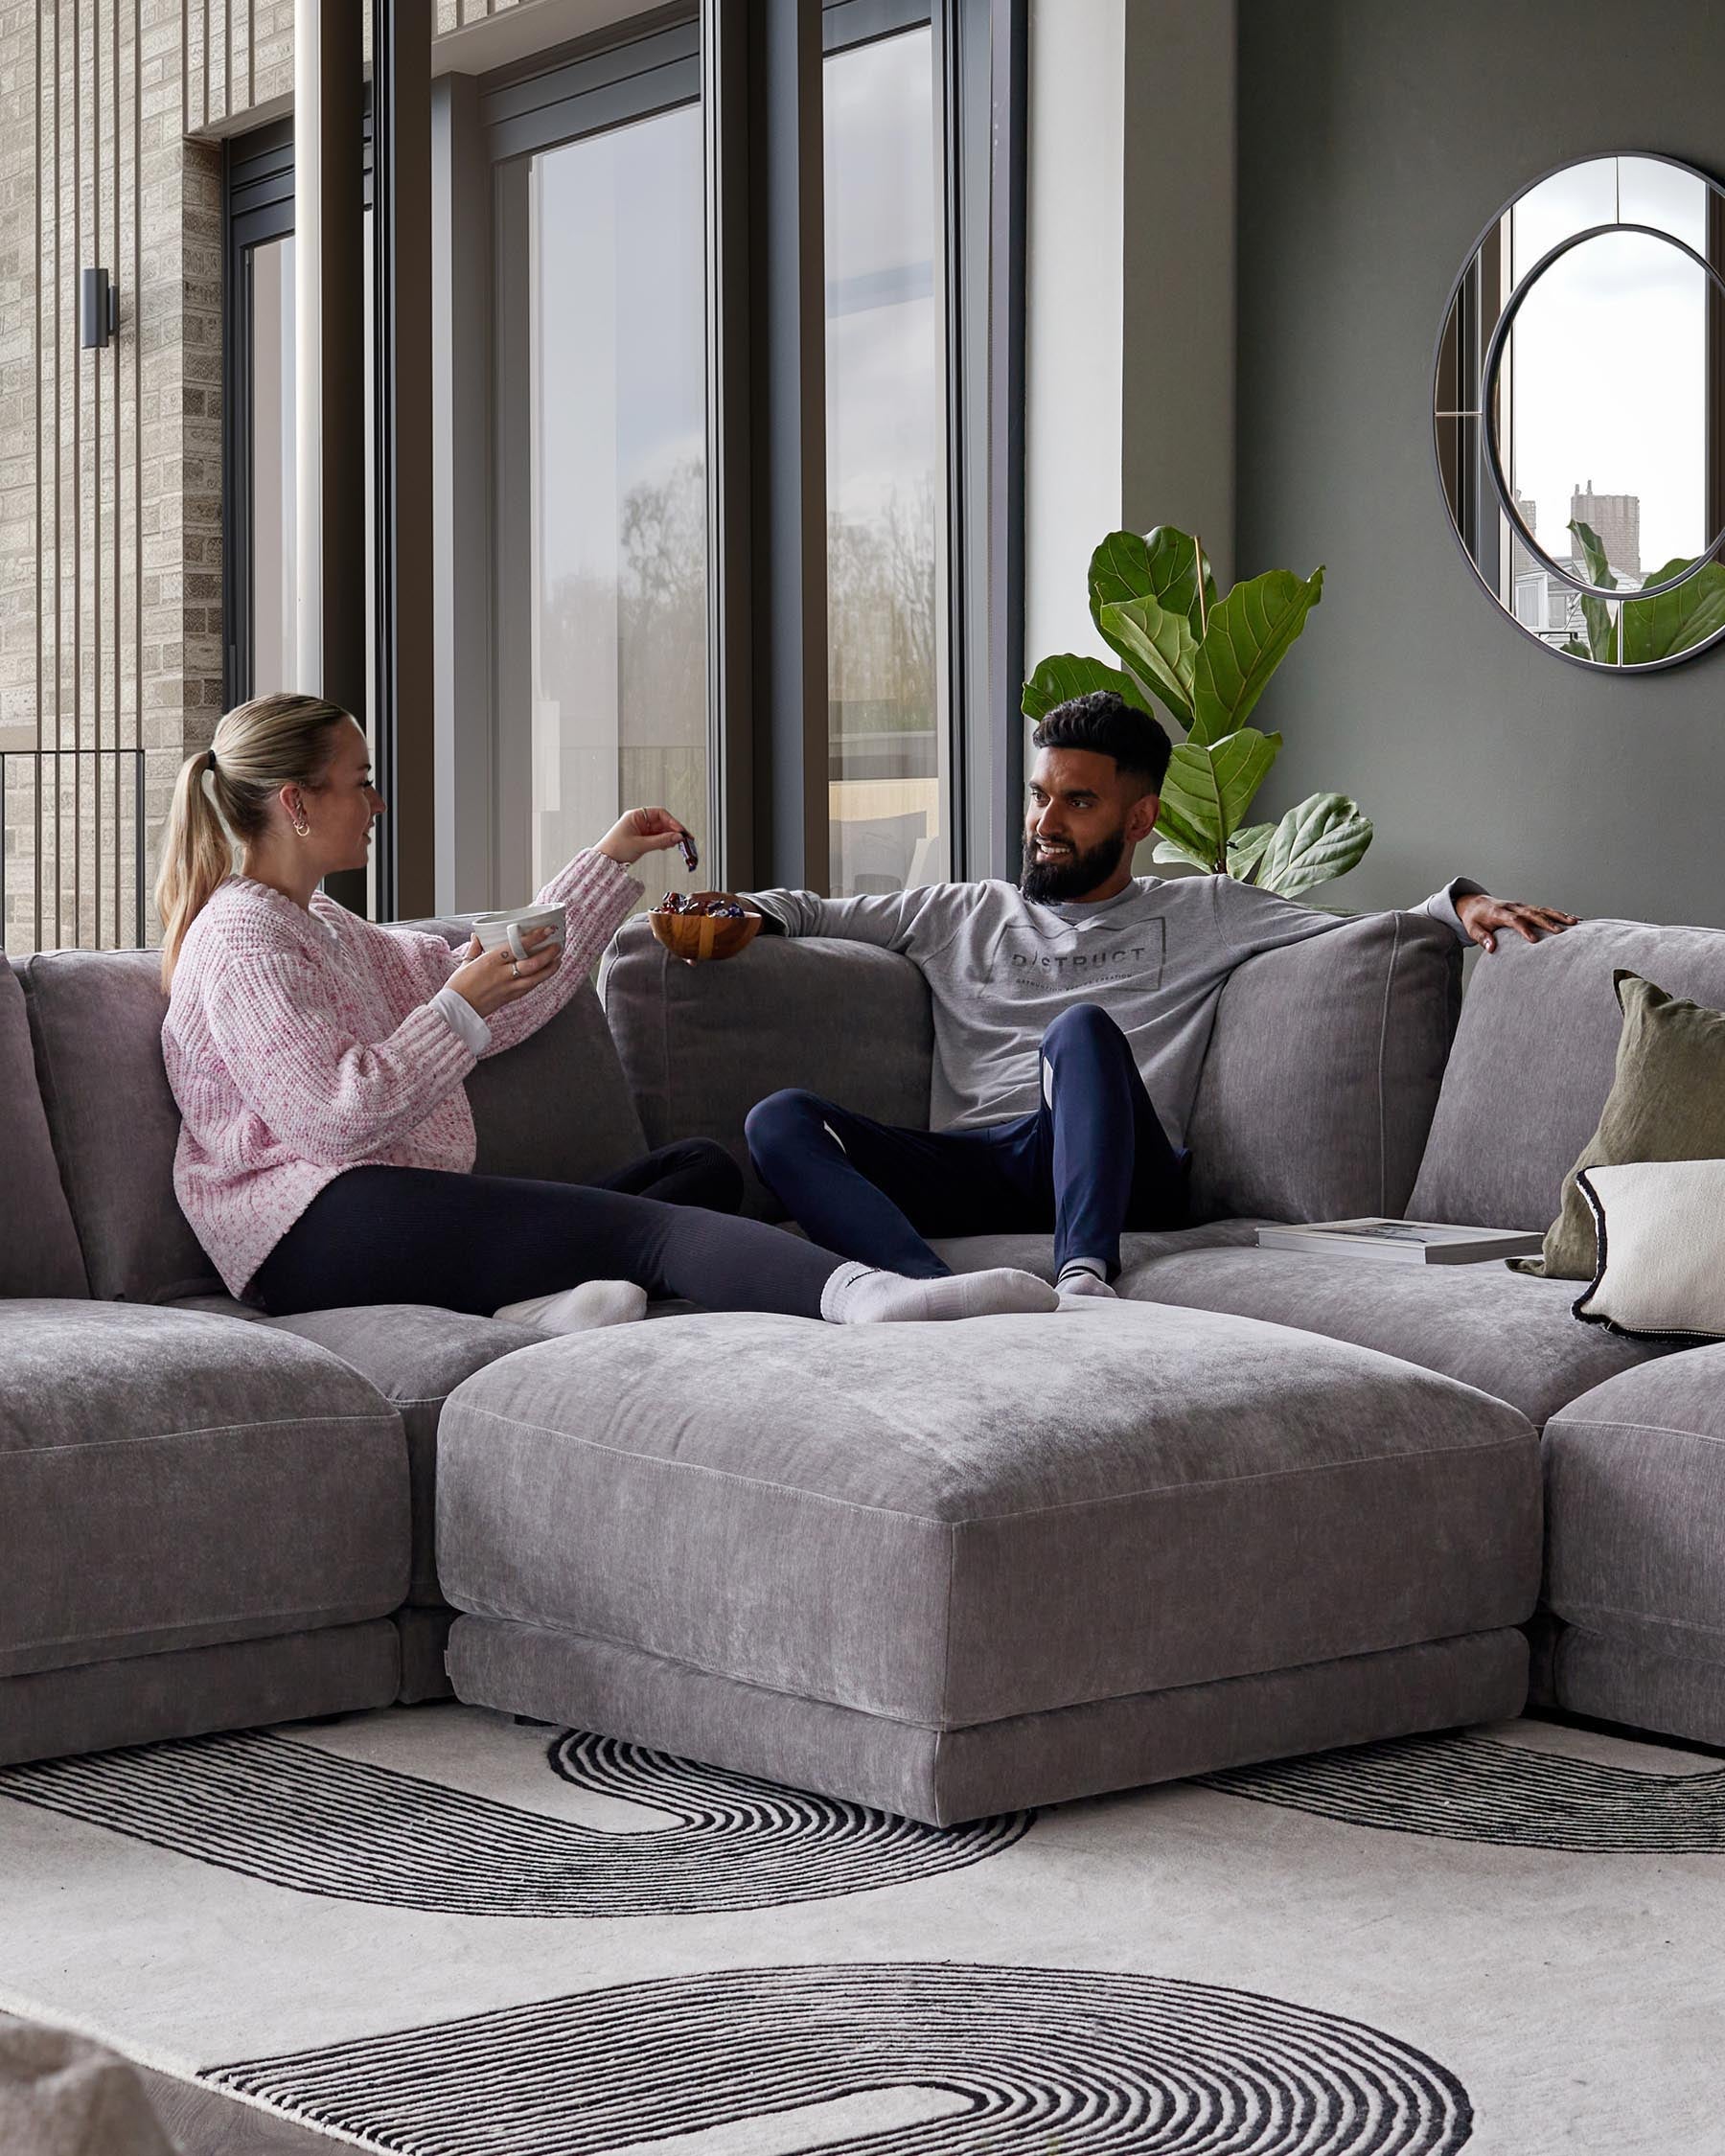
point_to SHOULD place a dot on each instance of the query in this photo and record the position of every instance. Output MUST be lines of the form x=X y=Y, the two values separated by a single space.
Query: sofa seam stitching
x=946 y=1653
x=1640 y=1616
x=1383 y=1049
x=1563 y=1420
x=320 y=1619
x=173 y=1437
x=42 y=1064
x=992 y=1519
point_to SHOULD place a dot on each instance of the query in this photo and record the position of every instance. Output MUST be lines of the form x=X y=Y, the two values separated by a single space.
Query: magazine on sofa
x=1404 y=1242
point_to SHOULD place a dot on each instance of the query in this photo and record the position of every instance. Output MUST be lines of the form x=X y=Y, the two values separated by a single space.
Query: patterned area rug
x=440 y=1933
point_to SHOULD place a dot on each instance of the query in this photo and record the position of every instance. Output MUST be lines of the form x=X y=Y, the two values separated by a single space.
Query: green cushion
x=1666 y=1102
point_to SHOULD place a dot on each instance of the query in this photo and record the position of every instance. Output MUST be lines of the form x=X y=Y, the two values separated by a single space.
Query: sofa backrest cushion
x=97 y=1020
x=39 y=1243
x=702 y=1044
x=556 y=1106
x=1322 y=1072
x=1534 y=1061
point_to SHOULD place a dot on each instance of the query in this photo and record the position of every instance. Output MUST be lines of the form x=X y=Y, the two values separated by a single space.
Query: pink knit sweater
x=300 y=1044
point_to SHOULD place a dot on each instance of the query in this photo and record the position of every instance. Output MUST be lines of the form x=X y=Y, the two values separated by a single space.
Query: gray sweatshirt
x=1000 y=968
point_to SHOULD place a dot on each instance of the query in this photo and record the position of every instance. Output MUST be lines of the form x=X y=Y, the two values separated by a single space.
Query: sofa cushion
x=1635 y=1499
x=1323 y=1074
x=1533 y=1062
x=702 y=1044
x=415 y=1356
x=1483 y=1324
x=556 y=1105
x=39 y=1243
x=1666 y=1102
x=946 y=1525
x=169 y=1481
x=97 y=1020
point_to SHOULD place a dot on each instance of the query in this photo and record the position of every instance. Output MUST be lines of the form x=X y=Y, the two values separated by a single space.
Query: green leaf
x=1593 y=553
x=1674 y=621
x=1595 y=613
x=1058 y=680
x=1157 y=645
x=1167 y=851
x=1323 y=836
x=1208 y=788
x=1250 y=634
x=1246 y=849
x=1162 y=567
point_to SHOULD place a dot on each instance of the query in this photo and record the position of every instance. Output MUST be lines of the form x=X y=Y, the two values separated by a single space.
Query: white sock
x=1084 y=1277
x=861 y=1295
x=580 y=1310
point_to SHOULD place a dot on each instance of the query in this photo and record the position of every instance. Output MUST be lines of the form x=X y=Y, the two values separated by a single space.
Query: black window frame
x=762 y=778
x=257 y=207
x=257 y=200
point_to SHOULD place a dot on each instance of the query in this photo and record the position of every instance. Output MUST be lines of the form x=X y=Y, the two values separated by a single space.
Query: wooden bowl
x=694 y=937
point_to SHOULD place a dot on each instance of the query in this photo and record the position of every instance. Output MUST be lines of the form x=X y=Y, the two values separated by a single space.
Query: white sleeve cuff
x=1441 y=904
x=462 y=1021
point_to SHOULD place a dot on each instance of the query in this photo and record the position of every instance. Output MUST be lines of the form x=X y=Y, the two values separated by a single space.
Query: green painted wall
x=1376 y=137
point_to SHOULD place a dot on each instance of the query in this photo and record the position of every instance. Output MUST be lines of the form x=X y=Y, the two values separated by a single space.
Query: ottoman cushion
x=949 y=1524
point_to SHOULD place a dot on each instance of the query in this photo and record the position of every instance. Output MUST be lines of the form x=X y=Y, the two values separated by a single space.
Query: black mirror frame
x=1487 y=415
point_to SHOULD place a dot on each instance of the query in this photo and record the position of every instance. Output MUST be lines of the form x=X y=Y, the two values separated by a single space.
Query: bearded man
x=1072 y=1014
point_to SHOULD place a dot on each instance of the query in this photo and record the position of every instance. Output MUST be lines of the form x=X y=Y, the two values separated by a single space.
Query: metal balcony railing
x=71 y=849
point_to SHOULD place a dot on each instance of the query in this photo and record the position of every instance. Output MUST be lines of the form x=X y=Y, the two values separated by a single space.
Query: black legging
x=474 y=1243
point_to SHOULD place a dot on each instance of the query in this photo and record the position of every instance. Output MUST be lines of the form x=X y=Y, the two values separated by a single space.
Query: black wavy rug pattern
x=297 y=1816
x=1074 y=2061
x=1477 y=1789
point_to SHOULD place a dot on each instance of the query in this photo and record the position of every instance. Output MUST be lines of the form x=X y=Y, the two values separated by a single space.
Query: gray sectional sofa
x=1287 y=1502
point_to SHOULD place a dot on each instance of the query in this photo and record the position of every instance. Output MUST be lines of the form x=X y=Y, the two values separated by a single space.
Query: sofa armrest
x=702 y=1045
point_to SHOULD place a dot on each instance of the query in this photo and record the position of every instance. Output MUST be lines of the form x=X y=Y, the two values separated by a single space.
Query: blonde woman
x=326 y=1148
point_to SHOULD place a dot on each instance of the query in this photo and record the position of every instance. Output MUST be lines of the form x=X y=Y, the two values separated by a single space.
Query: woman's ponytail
x=222 y=799
x=197 y=854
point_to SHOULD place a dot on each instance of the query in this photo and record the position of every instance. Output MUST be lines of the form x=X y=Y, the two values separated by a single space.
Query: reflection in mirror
x=1597 y=353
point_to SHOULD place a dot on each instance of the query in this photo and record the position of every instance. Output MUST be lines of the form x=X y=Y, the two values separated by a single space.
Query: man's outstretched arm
x=929 y=914
x=1251 y=920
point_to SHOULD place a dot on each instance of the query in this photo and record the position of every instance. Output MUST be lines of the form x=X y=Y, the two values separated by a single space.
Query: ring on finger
x=515 y=968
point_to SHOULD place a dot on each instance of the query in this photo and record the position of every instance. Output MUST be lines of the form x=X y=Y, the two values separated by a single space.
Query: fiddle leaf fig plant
x=1652 y=628
x=1206 y=658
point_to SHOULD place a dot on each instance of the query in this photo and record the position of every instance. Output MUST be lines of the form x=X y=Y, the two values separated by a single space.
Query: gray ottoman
x=955 y=1569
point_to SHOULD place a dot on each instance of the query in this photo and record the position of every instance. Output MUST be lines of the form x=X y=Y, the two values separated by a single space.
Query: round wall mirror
x=1579 y=411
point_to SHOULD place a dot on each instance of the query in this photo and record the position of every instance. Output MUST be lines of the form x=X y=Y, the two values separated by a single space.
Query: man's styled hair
x=1105 y=723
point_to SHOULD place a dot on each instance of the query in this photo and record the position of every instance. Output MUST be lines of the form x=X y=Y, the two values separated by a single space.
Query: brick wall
x=110 y=461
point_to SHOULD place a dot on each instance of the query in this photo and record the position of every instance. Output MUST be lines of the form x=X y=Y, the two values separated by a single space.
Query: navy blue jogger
x=1092 y=1161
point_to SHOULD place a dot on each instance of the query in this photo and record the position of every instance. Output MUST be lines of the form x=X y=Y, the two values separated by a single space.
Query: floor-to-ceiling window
x=600 y=561
x=618 y=486
x=889 y=734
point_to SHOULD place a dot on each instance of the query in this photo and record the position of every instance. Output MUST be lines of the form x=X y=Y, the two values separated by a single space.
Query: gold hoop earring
x=303 y=830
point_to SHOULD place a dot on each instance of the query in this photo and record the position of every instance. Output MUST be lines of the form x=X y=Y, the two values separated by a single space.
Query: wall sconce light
x=99 y=311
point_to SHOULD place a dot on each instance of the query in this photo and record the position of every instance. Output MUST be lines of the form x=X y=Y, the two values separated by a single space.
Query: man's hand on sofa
x=1485 y=918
